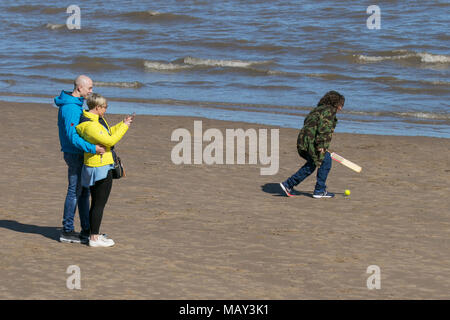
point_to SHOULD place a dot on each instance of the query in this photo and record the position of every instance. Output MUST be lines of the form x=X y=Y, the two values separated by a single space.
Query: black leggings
x=99 y=193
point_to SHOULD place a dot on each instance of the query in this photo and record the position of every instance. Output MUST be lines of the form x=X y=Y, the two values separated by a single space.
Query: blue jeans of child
x=308 y=169
x=76 y=194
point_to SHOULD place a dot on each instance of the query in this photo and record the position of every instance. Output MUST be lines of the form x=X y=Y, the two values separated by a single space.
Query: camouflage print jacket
x=317 y=132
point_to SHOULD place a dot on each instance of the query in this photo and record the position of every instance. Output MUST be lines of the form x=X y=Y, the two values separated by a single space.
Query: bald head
x=82 y=86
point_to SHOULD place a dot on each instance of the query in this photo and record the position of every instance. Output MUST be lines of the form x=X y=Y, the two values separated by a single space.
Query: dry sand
x=224 y=231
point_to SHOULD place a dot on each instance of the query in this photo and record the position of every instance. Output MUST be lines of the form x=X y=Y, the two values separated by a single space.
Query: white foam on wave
x=433 y=58
x=408 y=114
x=380 y=58
x=425 y=115
x=153 y=13
x=424 y=57
x=164 y=66
x=190 y=62
x=134 y=84
x=220 y=63
x=439 y=82
x=54 y=26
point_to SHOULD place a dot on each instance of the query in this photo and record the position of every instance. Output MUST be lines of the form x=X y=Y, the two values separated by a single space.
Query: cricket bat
x=345 y=162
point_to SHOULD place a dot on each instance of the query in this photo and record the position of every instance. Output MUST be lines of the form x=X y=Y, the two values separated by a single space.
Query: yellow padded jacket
x=91 y=130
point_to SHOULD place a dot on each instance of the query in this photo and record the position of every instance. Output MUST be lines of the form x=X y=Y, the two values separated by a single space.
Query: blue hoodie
x=70 y=110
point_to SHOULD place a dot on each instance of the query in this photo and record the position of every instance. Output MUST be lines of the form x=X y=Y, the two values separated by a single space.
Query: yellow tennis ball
x=347 y=192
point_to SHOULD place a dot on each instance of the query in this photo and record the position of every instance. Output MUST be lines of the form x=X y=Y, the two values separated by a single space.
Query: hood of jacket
x=66 y=98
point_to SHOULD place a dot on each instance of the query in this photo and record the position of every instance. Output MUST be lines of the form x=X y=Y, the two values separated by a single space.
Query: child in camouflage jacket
x=313 y=142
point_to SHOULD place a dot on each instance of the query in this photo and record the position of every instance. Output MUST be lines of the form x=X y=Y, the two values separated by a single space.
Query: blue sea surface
x=265 y=62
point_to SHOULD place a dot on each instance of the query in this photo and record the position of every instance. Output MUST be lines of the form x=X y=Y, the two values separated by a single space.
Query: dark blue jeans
x=76 y=194
x=308 y=169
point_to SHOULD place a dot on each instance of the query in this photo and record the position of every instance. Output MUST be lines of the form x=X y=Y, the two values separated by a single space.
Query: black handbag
x=118 y=171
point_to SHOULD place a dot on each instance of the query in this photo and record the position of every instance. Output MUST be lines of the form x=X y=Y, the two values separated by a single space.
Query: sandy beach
x=225 y=231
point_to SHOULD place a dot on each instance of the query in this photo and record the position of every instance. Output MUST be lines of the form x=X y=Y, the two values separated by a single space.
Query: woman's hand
x=129 y=119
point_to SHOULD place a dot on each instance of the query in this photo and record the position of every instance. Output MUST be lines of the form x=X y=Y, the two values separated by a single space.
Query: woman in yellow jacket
x=96 y=173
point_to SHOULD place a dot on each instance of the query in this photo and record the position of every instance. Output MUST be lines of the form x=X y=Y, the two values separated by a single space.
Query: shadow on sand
x=48 y=232
x=275 y=189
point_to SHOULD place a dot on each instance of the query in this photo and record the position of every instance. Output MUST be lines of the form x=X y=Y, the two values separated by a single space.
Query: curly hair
x=332 y=98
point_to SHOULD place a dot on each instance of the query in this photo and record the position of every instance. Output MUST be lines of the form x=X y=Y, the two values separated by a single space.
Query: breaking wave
x=164 y=66
x=191 y=62
x=221 y=63
x=54 y=26
x=422 y=57
x=425 y=115
x=119 y=84
x=420 y=115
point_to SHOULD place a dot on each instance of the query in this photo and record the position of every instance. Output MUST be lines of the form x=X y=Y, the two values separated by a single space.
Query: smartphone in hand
x=131 y=116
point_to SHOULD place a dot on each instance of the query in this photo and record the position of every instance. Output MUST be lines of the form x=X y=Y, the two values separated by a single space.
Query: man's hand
x=99 y=149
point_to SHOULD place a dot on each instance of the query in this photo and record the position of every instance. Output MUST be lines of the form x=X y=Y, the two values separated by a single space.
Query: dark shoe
x=286 y=190
x=70 y=237
x=325 y=194
x=84 y=236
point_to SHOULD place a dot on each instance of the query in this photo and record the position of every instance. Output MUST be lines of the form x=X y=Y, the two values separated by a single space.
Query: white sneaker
x=101 y=241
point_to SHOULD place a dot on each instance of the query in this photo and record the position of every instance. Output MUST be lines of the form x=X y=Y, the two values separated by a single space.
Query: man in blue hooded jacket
x=70 y=109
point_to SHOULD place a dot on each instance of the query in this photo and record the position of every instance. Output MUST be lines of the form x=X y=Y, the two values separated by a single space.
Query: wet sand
x=225 y=231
